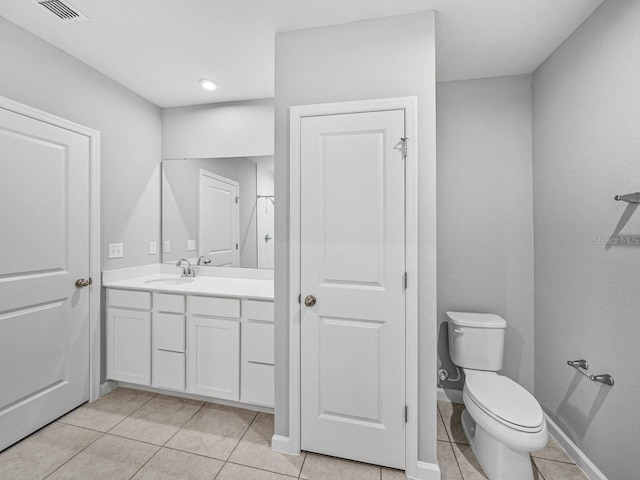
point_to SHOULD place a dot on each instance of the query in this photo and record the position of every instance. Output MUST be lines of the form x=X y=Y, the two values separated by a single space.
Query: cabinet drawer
x=254 y=310
x=215 y=307
x=169 y=303
x=169 y=370
x=257 y=384
x=168 y=332
x=257 y=342
x=129 y=299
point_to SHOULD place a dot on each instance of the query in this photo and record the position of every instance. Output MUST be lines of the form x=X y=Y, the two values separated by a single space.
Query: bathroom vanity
x=211 y=335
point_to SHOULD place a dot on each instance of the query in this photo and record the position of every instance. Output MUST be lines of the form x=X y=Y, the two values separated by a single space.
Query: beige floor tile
x=320 y=467
x=239 y=472
x=449 y=469
x=38 y=455
x=551 y=470
x=553 y=451
x=451 y=416
x=175 y=465
x=254 y=450
x=390 y=474
x=442 y=430
x=158 y=420
x=468 y=463
x=108 y=458
x=108 y=411
x=214 y=431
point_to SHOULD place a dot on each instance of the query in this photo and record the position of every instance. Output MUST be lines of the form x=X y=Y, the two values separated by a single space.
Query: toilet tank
x=476 y=340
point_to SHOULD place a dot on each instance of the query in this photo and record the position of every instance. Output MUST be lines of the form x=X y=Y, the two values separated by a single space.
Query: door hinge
x=237 y=199
x=405 y=141
x=236 y=246
x=300 y=298
x=406 y=414
x=405 y=280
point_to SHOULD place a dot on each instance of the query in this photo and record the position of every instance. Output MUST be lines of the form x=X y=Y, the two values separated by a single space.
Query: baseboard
x=108 y=386
x=282 y=444
x=426 y=471
x=448 y=395
x=578 y=456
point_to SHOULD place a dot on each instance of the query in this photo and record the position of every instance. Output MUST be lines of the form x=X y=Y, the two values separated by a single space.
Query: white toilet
x=502 y=421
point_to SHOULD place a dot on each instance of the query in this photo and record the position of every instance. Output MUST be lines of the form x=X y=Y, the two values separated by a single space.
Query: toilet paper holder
x=582 y=366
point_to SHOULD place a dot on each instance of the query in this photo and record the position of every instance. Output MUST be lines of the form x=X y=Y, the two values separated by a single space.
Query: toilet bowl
x=502 y=421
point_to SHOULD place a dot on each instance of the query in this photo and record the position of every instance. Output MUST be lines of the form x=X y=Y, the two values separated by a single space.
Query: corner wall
x=382 y=58
x=40 y=75
x=586 y=105
x=485 y=212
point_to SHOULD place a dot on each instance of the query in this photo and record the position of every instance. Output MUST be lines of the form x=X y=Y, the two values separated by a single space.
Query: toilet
x=502 y=421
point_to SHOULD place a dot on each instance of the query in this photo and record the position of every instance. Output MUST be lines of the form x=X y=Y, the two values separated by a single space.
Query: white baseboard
x=447 y=395
x=578 y=456
x=107 y=386
x=282 y=444
x=427 y=471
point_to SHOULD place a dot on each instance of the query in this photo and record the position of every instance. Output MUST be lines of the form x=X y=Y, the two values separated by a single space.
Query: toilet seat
x=504 y=400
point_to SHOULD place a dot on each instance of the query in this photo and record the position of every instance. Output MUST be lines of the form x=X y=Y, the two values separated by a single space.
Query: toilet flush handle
x=458 y=330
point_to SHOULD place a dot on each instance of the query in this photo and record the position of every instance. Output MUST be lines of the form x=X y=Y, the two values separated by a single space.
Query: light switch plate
x=153 y=248
x=167 y=246
x=191 y=244
x=116 y=250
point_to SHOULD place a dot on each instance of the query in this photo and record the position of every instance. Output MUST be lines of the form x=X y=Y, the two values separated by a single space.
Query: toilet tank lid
x=478 y=320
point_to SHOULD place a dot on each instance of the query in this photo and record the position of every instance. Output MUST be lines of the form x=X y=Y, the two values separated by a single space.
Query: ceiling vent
x=63 y=11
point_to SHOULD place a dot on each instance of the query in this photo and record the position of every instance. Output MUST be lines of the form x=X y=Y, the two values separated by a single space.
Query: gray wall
x=234 y=129
x=37 y=74
x=181 y=203
x=587 y=302
x=389 y=57
x=485 y=212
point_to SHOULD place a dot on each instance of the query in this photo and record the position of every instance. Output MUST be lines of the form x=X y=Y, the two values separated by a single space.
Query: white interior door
x=353 y=263
x=219 y=219
x=44 y=234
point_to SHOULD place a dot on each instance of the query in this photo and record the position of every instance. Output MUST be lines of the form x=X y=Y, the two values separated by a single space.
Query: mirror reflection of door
x=219 y=220
x=265 y=211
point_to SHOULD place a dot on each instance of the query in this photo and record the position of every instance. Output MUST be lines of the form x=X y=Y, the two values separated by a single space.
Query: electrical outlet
x=191 y=245
x=153 y=248
x=167 y=246
x=116 y=250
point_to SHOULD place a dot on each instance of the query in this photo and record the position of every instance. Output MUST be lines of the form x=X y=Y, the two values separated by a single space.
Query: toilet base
x=498 y=461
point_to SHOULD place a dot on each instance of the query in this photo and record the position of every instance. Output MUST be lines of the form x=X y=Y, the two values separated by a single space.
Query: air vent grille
x=63 y=11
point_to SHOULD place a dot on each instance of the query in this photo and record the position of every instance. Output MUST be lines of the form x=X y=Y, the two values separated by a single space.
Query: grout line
x=182 y=426
x=245 y=432
x=154 y=396
x=306 y=454
x=102 y=434
x=148 y=460
x=446 y=432
x=258 y=468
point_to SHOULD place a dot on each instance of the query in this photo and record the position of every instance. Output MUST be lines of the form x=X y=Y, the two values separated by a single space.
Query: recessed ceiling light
x=208 y=84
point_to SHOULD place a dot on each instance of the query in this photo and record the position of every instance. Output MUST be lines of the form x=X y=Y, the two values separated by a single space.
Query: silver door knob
x=83 y=282
x=309 y=300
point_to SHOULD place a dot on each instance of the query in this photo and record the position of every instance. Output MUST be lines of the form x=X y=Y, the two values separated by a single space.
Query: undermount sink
x=170 y=281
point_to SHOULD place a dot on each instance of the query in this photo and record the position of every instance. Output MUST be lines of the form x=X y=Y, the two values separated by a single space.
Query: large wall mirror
x=218 y=208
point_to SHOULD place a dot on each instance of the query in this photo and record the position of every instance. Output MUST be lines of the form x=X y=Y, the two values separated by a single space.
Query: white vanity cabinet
x=129 y=336
x=214 y=347
x=205 y=345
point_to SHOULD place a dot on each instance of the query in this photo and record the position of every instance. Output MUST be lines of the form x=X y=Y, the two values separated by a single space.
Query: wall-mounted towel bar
x=582 y=366
x=629 y=198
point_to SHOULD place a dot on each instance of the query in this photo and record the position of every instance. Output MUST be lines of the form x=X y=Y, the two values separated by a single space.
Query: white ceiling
x=161 y=48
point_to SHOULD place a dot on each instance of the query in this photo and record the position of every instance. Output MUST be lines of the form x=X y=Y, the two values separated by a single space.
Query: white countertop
x=258 y=289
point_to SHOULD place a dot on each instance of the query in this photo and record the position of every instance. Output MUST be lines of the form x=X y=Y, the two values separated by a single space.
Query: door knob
x=309 y=300
x=82 y=282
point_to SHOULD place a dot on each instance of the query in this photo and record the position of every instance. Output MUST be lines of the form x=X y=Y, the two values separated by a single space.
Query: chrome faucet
x=202 y=260
x=188 y=270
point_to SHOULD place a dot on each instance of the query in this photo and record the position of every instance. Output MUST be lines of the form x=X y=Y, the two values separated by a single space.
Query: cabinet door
x=214 y=357
x=129 y=346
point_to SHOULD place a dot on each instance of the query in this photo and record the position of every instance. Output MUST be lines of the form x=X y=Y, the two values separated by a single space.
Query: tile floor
x=130 y=434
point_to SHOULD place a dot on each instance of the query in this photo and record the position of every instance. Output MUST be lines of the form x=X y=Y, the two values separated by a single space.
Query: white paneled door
x=44 y=239
x=219 y=219
x=352 y=279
